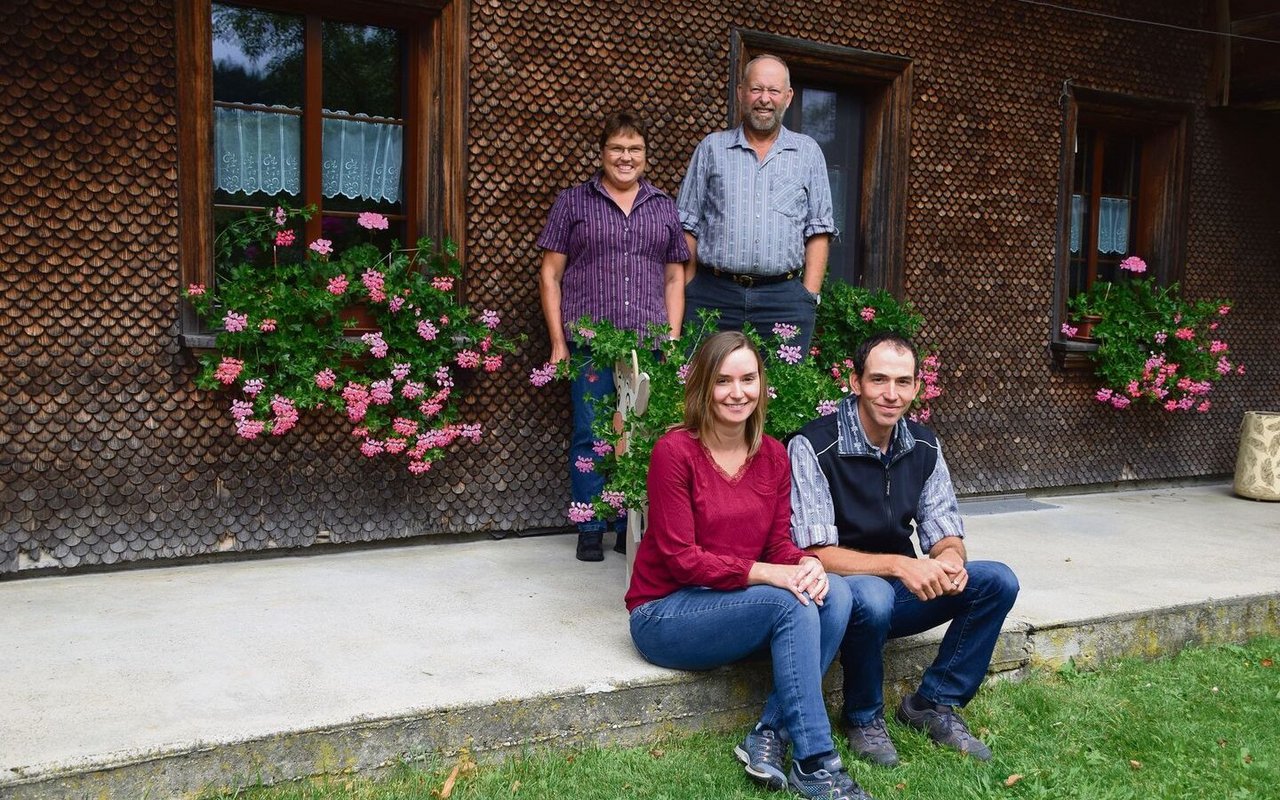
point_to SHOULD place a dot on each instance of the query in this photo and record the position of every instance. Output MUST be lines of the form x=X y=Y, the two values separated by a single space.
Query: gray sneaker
x=945 y=727
x=830 y=782
x=871 y=742
x=761 y=755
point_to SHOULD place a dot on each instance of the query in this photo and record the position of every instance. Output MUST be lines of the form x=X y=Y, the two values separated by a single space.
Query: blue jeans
x=884 y=609
x=696 y=629
x=592 y=382
x=762 y=306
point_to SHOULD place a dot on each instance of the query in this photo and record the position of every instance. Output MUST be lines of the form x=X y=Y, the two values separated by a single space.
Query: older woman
x=613 y=250
x=717 y=576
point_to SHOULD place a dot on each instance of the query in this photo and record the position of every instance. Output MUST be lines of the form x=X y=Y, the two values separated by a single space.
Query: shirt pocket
x=789 y=197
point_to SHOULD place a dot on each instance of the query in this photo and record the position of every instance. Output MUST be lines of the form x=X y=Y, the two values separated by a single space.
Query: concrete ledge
x=627 y=713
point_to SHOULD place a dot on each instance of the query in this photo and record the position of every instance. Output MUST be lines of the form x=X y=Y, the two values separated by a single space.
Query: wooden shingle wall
x=108 y=453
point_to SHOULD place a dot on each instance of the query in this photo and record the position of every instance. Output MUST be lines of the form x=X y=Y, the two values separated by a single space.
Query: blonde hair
x=699 y=387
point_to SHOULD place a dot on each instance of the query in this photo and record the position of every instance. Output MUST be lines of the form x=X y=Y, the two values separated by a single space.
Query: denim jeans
x=592 y=382
x=884 y=609
x=762 y=306
x=696 y=629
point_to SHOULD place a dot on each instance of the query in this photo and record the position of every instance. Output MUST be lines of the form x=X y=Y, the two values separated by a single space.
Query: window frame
x=1159 y=237
x=435 y=123
x=885 y=83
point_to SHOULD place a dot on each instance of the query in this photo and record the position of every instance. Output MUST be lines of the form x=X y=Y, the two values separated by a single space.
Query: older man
x=756 y=209
x=863 y=480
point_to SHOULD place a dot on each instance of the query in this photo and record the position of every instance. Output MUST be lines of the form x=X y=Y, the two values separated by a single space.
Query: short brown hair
x=700 y=384
x=623 y=122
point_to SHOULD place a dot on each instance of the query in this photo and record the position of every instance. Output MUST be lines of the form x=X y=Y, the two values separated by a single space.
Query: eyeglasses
x=618 y=151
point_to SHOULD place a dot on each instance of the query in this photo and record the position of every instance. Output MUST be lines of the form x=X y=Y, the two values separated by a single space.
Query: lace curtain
x=1113 y=224
x=260 y=151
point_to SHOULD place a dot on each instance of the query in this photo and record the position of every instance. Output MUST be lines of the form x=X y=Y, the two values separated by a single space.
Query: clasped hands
x=806 y=580
x=930 y=578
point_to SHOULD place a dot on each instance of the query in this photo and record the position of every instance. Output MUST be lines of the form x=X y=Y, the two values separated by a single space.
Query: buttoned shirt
x=615 y=263
x=812 y=508
x=753 y=215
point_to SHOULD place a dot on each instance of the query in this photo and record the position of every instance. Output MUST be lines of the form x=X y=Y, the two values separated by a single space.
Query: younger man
x=860 y=478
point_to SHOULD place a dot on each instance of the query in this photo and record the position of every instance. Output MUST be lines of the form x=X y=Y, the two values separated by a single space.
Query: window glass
x=833 y=115
x=362 y=70
x=257 y=57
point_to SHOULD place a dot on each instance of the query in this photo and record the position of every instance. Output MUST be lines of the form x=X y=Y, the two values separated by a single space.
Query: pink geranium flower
x=322 y=247
x=1134 y=264
x=371 y=221
x=228 y=370
x=543 y=374
x=195 y=290
x=234 y=323
x=284 y=238
x=338 y=285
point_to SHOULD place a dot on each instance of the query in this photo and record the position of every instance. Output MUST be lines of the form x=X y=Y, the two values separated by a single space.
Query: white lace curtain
x=260 y=151
x=1113 y=224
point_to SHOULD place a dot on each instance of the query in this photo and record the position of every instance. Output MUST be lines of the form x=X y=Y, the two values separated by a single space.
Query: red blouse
x=706 y=528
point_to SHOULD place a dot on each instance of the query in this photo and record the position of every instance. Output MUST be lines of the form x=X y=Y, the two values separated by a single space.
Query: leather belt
x=748 y=280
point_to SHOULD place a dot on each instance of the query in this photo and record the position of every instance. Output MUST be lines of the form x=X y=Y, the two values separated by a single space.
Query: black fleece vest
x=875 y=504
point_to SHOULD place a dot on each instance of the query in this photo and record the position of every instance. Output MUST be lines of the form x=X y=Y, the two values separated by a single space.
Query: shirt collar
x=852 y=439
x=787 y=140
x=647 y=189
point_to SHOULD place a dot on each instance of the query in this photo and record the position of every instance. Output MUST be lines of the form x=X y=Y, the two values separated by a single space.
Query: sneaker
x=944 y=726
x=591 y=546
x=761 y=756
x=871 y=742
x=830 y=782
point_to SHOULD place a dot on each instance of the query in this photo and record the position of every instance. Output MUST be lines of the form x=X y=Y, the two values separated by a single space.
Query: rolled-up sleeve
x=813 y=517
x=689 y=200
x=938 y=514
x=821 y=218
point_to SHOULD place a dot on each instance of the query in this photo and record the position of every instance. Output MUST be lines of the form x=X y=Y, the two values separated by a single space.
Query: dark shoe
x=830 y=782
x=761 y=755
x=871 y=742
x=620 y=544
x=944 y=726
x=591 y=547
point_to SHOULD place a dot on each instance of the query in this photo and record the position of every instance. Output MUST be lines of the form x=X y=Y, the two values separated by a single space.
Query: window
x=833 y=115
x=856 y=105
x=336 y=105
x=1122 y=191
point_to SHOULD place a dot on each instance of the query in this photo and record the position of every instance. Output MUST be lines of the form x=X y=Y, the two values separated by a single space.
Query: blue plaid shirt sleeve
x=938 y=514
x=813 y=517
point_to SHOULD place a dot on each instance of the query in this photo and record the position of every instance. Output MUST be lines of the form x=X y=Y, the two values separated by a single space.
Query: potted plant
x=800 y=387
x=288 y=316
x=1154 y=345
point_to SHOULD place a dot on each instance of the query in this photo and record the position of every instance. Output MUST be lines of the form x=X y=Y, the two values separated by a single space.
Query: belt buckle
x=747 y=281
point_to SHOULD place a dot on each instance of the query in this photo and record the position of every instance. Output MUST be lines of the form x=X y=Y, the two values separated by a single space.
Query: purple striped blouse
x=615 y=264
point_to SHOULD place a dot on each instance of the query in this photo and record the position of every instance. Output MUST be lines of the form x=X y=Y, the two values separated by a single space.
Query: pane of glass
x=833 y=116
x=257 y=57
x=362 y=159
x=362 y=69
x=1080 y=178
x=1077 y=222
x=1120 y=166
x=818 y=116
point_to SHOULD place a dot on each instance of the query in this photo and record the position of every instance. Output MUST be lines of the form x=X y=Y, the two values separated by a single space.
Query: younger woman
x=717 y=577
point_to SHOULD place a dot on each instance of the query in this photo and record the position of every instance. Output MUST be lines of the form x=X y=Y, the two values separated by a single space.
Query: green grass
x=1203 y=724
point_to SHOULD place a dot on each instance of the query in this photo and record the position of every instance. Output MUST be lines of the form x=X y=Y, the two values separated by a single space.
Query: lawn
x=1202 y=724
